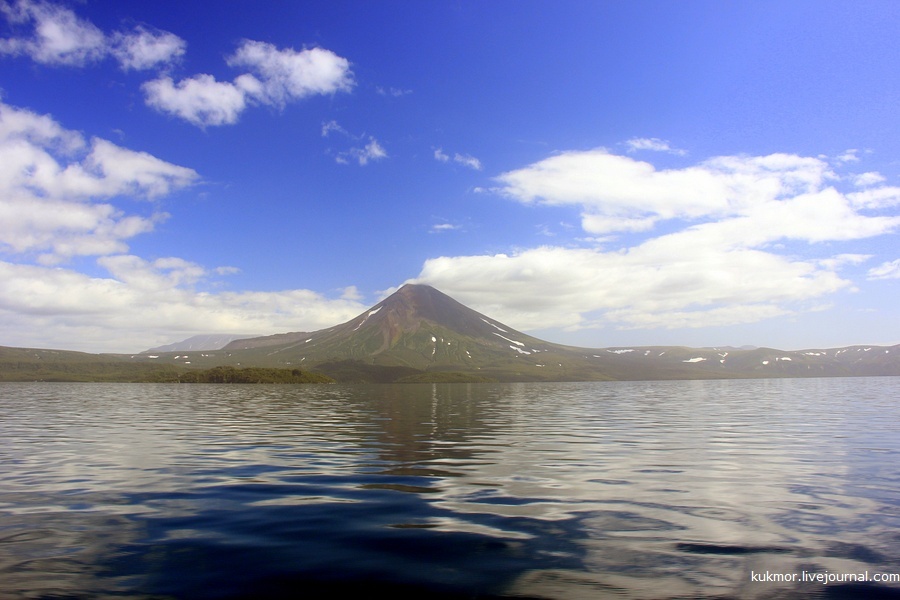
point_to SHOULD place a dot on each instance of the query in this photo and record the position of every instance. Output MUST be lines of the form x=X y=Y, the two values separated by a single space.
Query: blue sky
x=593 y=173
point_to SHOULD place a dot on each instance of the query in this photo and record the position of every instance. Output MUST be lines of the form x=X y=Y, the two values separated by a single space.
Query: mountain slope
x=33 y=364
x=210 y=341
x=417 y=327
x=421 y=334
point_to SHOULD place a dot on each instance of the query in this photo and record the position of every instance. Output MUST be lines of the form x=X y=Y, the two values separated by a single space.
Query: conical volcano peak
x=413 y=292
x=416 y=329
x=423 y=300
x=414 y=303
x=421 y=333
x=417 y=292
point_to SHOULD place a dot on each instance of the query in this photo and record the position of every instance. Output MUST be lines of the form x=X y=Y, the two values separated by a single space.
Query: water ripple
x=624 y=490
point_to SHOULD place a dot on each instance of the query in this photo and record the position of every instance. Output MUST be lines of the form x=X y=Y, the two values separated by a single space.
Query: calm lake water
x=564 y=490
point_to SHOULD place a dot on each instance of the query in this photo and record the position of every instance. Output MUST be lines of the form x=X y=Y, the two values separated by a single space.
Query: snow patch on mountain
x=494 y=326
x=508 y=340
x=369 y=314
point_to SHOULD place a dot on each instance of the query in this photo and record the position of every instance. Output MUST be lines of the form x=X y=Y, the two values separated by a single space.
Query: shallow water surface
x=564 y=490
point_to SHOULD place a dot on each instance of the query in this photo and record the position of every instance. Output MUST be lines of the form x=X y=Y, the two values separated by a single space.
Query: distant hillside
x=210 y=341
x=30 y=364
x=420 y=334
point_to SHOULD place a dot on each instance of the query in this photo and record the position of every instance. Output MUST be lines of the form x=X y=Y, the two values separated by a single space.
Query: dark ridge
x=729 y=549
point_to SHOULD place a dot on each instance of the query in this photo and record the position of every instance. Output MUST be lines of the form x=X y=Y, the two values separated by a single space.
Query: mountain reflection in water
x=587 y=490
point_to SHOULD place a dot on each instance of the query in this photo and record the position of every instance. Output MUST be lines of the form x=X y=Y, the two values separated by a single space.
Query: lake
x=672 y=489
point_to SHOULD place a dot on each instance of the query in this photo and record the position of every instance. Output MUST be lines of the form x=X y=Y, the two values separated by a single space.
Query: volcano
x=417 y=329
x=420 y=334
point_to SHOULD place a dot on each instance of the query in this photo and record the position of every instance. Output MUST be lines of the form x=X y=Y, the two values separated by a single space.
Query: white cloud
x=392 y=91
x=145 y=49
x=848 y=156
x=56 y=188
x=200 y=100
x=875 y=198
x=719 y=263
x=467 y=160
x=442 y=227
x=838 y=261
x=653 y=145
x=618 y=193
x=59 y=196
x=42 y=130
x=886 y=270
x=57 y=36
x=646 y=286
x=144 y=304
x=615 y=187
x=868 y=179
x=278 y=77
x=351 y=293
x=161 y=275
x=126 y=172
x=371 y=151
x=330 y=126
x=603 y=223
x=285 y=75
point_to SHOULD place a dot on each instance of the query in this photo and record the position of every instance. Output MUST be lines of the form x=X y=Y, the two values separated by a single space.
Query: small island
x=237 y=375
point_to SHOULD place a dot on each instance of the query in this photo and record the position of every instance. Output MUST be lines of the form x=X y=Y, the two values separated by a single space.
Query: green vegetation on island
x=236 y=375
x=29 y=364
